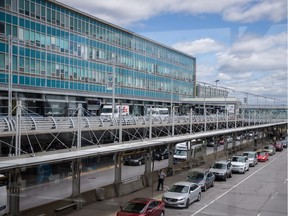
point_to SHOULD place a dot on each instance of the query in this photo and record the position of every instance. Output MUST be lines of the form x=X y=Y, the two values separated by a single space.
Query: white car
x=240 y=164
x=252 y=157
x=182 y=194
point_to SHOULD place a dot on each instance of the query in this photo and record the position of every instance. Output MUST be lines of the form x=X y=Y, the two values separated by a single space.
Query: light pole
x=10 y=51
x=204 y=107
x=216 y=82
x=113 y=89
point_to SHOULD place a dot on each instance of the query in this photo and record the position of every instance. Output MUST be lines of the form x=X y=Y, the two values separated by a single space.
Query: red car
x=142 y=207
x=278 y=146
x=262 y=156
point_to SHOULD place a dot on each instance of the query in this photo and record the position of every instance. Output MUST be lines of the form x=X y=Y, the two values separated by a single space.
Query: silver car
x=182 y=194
x=252 y=157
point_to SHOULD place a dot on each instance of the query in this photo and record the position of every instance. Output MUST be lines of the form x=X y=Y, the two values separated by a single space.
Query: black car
x=134 y=160
x=161 y=154
x=203 y=178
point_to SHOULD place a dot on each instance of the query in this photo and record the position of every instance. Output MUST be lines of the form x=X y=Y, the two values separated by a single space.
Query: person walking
x=161 y=176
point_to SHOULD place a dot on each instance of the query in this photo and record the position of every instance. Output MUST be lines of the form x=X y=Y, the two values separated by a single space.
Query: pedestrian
x=161 y=176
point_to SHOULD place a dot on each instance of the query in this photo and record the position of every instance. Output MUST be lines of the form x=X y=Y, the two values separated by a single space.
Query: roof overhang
x=212 y=101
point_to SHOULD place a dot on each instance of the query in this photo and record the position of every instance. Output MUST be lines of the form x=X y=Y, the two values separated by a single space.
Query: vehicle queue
x=183 y=193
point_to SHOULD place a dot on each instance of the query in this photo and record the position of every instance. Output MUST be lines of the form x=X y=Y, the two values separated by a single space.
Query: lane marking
x=206 y=205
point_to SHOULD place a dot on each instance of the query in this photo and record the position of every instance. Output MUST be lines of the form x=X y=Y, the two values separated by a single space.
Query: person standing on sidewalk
x=161 y=176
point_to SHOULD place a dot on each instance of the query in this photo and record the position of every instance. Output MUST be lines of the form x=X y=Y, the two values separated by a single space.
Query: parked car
x=222 y=169
x=211 y=142
x=182 y=194
x=204 y=178
x=142 y=207
x=278 y=146
x=240 y=164
x=161 y=154
x=229 y=139
x=262 y=156
x=134 y=160
x=221 y=141
x=270 y=149
x=284 y=142
x=252 y=157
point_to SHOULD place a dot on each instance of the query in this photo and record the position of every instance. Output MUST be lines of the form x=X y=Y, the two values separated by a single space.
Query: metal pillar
x=76 y=171
x=113 y=90
x=18 y=130
x=10 y=78
x=170 y=159
x=79 y=126
x=150 y=123
x=147 y=172
x=173 y=123
x=191 y=121
x=120 y=124
x=118 y=172
x=14 y=192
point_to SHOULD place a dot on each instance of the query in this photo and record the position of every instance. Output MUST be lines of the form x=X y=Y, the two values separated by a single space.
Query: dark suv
x=222 y=169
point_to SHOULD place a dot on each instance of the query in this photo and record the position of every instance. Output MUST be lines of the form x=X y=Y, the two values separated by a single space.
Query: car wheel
x=225 y=178
x=139 y=163
x=162 y=157
x=212 y=184
x=205 y=187
x=231 y=175
x=162 y=214
x=244 y=171
x=199 y=197
x=187 y=203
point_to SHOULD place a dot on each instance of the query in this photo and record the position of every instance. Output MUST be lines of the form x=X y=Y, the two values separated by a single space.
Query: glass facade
x=56 y=49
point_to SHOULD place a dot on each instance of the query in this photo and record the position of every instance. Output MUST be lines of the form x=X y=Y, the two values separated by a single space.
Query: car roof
x=184 y=183
x=222 y=161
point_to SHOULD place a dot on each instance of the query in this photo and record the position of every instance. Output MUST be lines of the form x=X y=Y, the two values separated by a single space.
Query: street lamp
x=216 y=82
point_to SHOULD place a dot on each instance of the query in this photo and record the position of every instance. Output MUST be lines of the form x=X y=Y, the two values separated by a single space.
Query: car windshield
x=181 y=152
x=267 y=147
x=196 y=176
x=262 y=153
x=179 y=189
x=249 y=155
x=219 y=166
x=134 y=207
x=238 y=159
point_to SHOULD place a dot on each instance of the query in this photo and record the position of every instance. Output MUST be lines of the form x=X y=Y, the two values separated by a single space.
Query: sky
x=241 y=43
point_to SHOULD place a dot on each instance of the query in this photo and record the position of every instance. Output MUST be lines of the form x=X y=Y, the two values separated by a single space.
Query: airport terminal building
x=53 y=57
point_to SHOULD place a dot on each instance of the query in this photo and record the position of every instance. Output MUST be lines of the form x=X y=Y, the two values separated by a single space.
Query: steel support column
x=76 y=172
x=14 y=192
x=147 y=172
x=118 y=172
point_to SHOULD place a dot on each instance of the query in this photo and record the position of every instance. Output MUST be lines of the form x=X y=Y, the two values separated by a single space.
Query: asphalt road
x=262 y=191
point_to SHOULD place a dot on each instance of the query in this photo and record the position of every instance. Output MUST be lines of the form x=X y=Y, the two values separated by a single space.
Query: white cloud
x=255 y=54
x=205 y=45
x=127 y=12
x=273 y=10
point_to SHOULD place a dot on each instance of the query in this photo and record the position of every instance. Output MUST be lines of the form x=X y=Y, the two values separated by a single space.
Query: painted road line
x=205 y=206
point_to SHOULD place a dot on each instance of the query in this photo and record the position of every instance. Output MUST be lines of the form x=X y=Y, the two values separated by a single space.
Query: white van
x=181 y=150
x=3 y=194
x=162 y=112
x=107 y=111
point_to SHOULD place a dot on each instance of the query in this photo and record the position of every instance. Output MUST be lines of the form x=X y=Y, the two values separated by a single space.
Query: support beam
x=76 y=172
x=14 y=192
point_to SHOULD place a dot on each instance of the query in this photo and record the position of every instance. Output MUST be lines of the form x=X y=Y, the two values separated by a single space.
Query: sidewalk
x=110 y=206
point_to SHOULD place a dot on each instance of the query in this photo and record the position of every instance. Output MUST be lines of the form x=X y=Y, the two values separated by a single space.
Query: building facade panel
x=54 y=49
